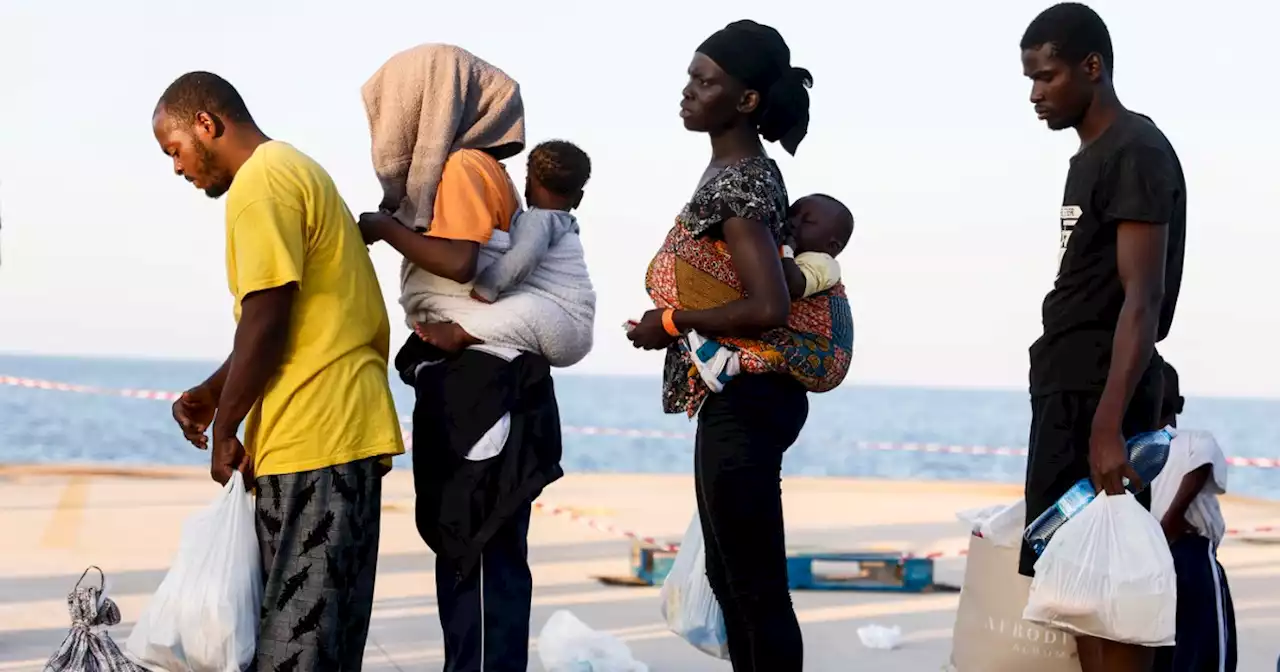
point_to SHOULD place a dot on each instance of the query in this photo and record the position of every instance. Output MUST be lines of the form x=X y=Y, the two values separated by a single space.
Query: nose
x=687 y=92
x=1037 y=94
x=177 y=167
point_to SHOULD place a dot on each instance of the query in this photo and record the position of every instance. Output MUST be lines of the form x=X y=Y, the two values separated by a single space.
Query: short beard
x=220 y=180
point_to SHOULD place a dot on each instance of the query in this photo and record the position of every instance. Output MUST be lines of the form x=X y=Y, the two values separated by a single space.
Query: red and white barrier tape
x=601 y=526
x=87 y=389
x=927 y=448
x=609 y=528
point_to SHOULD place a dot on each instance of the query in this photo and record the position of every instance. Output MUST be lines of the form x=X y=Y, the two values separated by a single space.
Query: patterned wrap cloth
x=693 y=271
x=88 y=647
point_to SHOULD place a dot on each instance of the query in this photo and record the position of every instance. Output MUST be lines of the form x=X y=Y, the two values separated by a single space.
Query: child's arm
x=795 y=278
x=531 y=237
x=819 y=271
x=1174 y=522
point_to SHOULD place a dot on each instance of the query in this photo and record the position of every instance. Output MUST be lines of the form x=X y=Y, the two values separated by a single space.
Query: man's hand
x=1109 y=462
x=193 y=412
x=373 y=226
x=229 y=456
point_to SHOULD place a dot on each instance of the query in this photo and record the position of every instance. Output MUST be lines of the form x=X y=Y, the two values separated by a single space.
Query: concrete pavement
x=55 y=521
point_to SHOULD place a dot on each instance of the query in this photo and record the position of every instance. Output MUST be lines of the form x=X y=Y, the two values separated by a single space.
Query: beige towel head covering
x=427 y=103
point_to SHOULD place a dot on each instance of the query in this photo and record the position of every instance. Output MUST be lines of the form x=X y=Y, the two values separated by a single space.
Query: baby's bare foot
x=448 y=336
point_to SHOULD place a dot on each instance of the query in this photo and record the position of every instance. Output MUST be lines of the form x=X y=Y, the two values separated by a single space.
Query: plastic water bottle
x=1148 y=453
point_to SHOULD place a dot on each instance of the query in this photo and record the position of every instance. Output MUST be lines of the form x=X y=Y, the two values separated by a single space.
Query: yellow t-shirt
x=330 y=403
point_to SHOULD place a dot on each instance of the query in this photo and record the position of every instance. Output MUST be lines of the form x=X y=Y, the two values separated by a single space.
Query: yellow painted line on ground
x=64 y=526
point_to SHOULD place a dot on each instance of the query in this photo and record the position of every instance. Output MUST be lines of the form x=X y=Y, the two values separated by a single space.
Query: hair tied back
x=785 y=117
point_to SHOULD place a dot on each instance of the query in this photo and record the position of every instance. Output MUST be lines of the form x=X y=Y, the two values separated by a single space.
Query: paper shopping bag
x=990 y=634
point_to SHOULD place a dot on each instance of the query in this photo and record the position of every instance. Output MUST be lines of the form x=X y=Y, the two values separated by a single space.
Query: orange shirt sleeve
x=462 y=208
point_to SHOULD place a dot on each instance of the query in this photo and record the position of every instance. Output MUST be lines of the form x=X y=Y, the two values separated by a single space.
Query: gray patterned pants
x=318 y=533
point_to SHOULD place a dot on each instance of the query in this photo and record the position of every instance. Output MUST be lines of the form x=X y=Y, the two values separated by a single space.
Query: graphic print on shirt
x=1070 y=214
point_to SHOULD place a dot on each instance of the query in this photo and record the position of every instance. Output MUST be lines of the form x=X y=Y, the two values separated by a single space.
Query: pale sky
x=921 y=125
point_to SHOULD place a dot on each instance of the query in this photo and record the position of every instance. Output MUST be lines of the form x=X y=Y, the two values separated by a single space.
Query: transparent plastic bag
x=1108 y=574
x=566 y=644
x=204 y=615
x=1001 y=524
x=688 y=605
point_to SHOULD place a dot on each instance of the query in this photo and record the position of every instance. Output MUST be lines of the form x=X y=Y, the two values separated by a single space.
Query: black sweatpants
x=742 y=434
x=485 y=616
x=1206 y=635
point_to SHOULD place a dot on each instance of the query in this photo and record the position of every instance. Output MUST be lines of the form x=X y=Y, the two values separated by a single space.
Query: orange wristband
x=669 y=322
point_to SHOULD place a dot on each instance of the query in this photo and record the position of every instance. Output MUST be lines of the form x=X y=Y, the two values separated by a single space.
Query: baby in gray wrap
x=536 y=270
x=558 y=171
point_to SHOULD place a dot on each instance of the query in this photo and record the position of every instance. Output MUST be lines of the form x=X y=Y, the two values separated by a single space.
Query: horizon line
x=932 y=387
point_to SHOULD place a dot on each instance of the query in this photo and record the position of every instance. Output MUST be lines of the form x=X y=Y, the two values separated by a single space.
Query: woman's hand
x=649 y=334
x=373 y=225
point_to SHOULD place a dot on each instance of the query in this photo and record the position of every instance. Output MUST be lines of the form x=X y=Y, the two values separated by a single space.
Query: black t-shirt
x=1129 y=173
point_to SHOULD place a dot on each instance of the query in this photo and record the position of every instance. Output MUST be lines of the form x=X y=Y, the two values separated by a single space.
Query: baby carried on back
x=532 y=292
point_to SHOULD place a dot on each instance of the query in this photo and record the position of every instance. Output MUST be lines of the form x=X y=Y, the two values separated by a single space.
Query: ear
x=1094 y=67
x=207 y=126
x=749 y=102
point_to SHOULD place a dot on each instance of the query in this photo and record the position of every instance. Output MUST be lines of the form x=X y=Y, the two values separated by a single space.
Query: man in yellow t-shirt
x=307 y=375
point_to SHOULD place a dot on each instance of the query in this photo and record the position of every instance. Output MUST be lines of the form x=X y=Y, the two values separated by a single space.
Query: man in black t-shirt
x=1095 y=373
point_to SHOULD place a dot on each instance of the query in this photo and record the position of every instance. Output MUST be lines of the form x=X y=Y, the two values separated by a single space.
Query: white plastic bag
x=204 y=615
x=1001 y=524
x=688 y=605
x=1108 y=574
x=566 y=644
x=880 y=637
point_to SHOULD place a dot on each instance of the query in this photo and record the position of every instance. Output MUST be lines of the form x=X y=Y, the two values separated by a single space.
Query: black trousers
x=742 y=434
x=485 y=616
x=1058 y=448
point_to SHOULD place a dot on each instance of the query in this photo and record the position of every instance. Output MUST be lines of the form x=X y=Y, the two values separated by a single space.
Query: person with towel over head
x=719 y=273
x=486 y=426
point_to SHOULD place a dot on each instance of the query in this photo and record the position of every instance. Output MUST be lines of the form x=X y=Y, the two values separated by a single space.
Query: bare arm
x=796 y=281
x=218 y=380
x=260 y=343
x=1140 y=260
x=1192 y=484
x=765 y=303
x=452 y=259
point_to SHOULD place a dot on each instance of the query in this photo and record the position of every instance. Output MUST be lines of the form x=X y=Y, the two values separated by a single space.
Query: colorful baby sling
x=696 y=272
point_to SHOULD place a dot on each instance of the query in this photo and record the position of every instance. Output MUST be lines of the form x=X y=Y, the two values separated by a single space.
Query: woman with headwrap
x=719 y=273
x=486 y=428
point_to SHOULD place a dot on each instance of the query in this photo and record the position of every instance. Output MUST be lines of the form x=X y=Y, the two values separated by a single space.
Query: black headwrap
x=757 y=56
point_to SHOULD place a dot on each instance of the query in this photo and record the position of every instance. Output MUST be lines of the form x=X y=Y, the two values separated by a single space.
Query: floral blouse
x=752 y=189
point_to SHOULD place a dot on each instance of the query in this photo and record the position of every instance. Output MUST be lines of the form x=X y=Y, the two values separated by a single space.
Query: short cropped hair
x=559 y=166
x=1074 y=30
x=844 y=209
x=197 y=92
